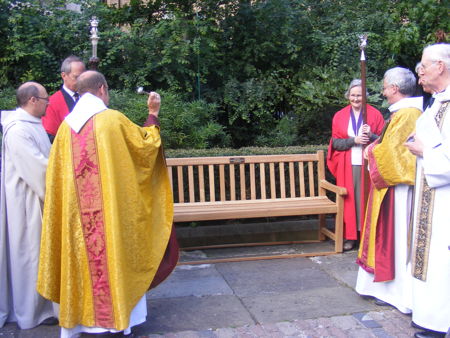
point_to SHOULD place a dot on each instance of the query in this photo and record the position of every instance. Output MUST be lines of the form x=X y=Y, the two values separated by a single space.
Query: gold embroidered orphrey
x=425 y=215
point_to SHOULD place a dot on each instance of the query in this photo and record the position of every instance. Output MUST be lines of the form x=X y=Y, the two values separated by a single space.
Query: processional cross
x=94 y=60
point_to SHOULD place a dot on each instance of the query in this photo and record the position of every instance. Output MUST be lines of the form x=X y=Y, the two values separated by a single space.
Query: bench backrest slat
x=291 y=179
x=169 y=169
x=262 y=181
x=252 y=182
x=212 y=188
x=180 y=184
x=222 y=182
x=301 y=177
x=282 y=179
x=272 y=180
x=242 y=176
x=321 y=173
x=311 y=178
x=246 y=177
x=201 y=183
x=232 y=183
x=191 y=183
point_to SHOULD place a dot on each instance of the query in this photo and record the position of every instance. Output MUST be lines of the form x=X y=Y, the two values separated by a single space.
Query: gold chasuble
x=390 y=164
x=107 y=220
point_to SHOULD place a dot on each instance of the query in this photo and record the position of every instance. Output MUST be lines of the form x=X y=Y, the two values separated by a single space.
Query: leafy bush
x=7 y=99
x=183 y=124
x=283 y=135
x=239 y=73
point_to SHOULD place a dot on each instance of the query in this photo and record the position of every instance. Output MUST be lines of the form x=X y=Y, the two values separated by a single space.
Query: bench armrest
x=332 y=187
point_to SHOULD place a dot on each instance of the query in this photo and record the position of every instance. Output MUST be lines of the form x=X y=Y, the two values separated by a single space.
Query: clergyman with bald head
x=109 y=200
x=25 y=151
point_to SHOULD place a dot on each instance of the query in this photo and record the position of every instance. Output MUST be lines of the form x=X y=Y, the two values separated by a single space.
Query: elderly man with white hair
x=431 y=241
x=382 y=255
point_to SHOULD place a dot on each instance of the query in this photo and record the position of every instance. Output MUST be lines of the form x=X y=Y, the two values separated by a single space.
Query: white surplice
x=398 y=291
x=25 y=150
x=431 y=298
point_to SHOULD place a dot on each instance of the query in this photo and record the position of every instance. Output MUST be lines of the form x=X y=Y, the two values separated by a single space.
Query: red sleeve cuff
x=152 y=120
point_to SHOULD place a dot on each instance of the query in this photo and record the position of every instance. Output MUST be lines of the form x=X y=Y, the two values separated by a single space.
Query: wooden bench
x=235 y=187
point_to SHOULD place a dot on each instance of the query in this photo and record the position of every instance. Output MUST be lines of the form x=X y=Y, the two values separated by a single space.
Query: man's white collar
x=407 y=102
x=86 y=107
x=68 y=91
x=444 y=95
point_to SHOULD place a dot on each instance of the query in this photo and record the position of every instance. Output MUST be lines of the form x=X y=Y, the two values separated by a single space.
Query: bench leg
x=339 y=226
x=321 y=226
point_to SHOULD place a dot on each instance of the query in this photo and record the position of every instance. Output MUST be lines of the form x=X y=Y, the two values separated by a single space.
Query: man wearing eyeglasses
x=62 y=102
x=25 y=150
x=382 y=255
x=430 y=256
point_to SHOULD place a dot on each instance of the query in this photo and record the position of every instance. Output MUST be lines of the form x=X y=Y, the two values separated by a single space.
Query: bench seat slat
x=186 y=212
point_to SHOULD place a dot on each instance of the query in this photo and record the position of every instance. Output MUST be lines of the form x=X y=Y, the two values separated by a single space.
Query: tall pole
x=364 y=171
x=94 y=60
x=362 y=46
x=198 y=53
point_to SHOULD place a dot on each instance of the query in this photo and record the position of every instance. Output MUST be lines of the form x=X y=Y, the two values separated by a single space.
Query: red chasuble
x=340 y=165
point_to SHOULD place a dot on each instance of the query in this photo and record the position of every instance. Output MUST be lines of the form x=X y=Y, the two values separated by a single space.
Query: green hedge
x=244 y=151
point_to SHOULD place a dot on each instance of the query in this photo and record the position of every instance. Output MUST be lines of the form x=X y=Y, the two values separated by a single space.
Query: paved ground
x=297 y=297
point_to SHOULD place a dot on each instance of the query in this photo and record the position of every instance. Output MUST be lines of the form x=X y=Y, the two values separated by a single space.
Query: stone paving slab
x=274 y=276
x=305 y=304
x=194 y=313
x=192 y=280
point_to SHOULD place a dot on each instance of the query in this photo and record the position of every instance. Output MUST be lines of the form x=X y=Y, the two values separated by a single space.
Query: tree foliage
x=262 y=71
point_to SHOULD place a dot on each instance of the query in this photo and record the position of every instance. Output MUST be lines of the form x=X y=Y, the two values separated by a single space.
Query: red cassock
x=340 y=164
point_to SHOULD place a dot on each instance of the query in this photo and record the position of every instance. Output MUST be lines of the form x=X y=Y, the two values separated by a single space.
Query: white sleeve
x=27 y=159
x=436 y=165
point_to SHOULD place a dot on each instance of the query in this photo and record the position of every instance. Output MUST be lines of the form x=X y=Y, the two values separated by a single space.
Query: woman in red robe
x=344 y=159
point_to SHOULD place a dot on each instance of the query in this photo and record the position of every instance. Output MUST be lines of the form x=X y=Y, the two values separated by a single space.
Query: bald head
x=95 y=83
x=90 y=82
x=32 y=97
x=26 y=91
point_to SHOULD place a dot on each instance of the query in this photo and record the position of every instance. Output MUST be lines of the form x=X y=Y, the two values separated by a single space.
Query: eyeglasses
x=423 y=66
x=42 y=98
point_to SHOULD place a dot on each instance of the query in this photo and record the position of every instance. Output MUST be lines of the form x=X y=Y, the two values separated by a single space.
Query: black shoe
x=349 y=245
x=380 y=302
x=429 y=334
x=50 y=321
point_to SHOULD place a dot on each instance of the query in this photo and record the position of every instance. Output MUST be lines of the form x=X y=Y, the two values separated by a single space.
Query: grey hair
x=25 y=92
x=402 y=78
x=66 y=66
x=419 y=64
x=439 y=52
x=354 y=83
